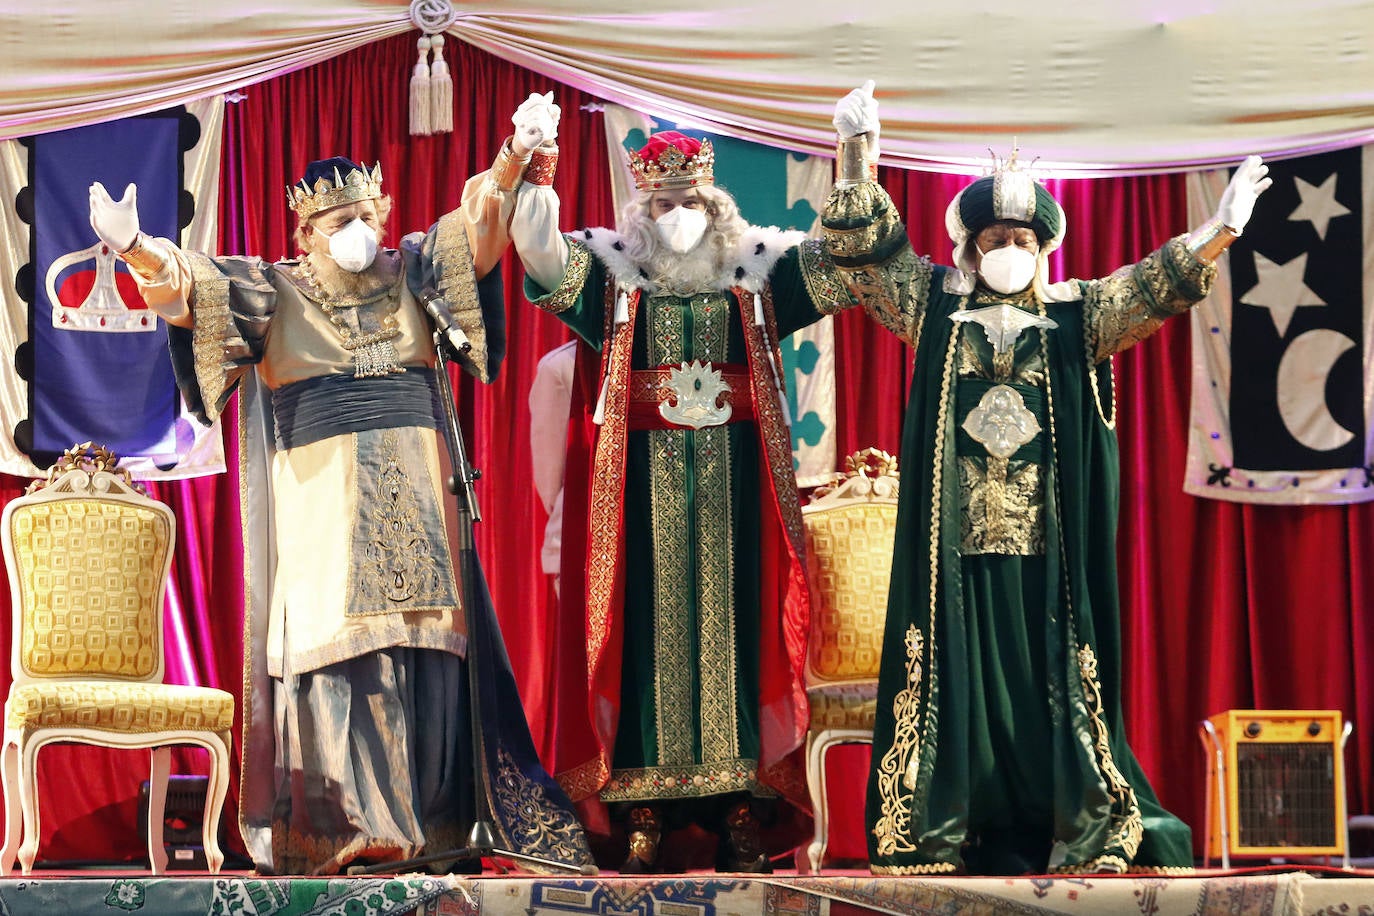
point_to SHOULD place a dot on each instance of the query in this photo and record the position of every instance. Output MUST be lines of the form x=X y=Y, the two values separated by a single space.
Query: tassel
x=622 y=308
x=440 y=89
x=777 y=375
x=599 y=415
x=419 y=92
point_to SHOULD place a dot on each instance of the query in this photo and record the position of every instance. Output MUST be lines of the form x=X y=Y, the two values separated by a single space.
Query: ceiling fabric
x=1087 y=88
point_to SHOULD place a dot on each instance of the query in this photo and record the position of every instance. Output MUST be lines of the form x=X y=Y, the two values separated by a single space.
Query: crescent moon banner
x=1283 y=348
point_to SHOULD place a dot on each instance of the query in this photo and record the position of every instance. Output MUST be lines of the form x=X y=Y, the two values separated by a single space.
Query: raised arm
x=161 y=270
x=863 y=232
x=1131 y=304
x=489 y=198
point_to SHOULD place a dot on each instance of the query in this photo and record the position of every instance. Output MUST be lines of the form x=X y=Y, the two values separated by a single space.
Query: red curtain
x=1224 y=606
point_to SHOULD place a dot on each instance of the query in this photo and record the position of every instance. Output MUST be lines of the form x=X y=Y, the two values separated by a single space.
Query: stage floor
x=1323 y=891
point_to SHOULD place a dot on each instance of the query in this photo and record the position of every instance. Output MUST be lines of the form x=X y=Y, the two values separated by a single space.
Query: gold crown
x=673 y=168
x=358 y=184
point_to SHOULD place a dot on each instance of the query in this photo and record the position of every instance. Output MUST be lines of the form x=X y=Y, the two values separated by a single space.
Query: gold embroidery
x=691 y=781
x=456 y=281
x=885 y=276
x=900 y=763
x=824 y=284
x=673 y=606
x=394 y=555
x=934 y=868
x=776 y=437
x=1001 y=508
x=1127 y=827
x=537 y=827
x=1131 y=304
x=715 y=587
x=211 y=334
x=608 y=485
x=574 y=278
x=693 y=532
x=583 y=780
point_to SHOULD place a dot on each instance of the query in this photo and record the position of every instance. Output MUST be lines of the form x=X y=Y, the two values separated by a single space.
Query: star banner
x=772 y=188
x=1283 y=377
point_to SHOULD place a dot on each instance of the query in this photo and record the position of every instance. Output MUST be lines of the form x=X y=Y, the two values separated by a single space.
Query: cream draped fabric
x=1112 y=87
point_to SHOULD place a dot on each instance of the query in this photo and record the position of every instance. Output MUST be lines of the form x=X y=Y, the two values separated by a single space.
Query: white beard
x=683 y=274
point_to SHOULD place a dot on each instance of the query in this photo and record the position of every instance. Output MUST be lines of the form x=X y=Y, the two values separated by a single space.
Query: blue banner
x=100 y=363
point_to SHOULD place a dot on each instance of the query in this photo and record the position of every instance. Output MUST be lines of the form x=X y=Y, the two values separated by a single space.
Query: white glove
x=116 y=222
x=857 y=113
x=536 y=120
x=1238 y=201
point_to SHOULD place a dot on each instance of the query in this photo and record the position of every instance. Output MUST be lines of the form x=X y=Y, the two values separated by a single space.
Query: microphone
x=448 y=329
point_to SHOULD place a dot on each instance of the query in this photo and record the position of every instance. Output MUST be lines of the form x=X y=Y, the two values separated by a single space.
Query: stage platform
x=1308 y=892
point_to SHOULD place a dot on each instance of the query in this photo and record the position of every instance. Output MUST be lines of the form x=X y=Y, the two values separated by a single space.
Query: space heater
x=1275 y=784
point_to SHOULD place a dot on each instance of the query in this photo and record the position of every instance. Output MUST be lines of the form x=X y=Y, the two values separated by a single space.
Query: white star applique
x=1281 y=289
x=1319 y=205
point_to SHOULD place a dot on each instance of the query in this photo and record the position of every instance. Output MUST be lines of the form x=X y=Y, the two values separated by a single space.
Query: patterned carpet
x=1323 y=892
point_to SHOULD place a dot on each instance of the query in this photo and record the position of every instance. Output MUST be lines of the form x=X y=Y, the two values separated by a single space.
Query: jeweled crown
x=346 y=187
x=673 y=160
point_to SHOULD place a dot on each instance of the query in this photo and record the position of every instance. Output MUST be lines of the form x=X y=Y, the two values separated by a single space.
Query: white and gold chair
x=88 y=555
x=849 y=531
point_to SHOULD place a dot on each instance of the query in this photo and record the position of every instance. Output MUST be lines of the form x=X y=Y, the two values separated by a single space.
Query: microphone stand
x=481 y=841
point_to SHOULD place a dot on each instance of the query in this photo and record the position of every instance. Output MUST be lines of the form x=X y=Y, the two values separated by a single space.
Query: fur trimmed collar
x=748 y=266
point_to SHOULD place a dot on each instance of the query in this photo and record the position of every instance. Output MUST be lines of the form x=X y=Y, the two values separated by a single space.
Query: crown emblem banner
x=1283 y=348
x=92 y=358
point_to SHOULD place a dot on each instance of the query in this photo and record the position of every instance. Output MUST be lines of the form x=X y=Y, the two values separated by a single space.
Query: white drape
x=1111 y=87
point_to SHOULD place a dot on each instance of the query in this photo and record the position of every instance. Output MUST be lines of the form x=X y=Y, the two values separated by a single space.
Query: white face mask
x=682 y=228
x=1008 y=269
x=354 y=246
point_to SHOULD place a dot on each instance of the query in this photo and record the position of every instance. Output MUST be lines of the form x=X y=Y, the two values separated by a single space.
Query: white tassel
x=599 y=417
x=777 y=374
x=440 y=89
x=419 y=92
x=622 y=315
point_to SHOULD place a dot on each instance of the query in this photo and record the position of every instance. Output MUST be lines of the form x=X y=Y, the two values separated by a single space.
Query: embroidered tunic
x=998 y=745
x=357 y=743
x=697 y=604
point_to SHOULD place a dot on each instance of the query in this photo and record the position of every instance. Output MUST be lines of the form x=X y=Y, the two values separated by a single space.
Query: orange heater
x=1275 y=784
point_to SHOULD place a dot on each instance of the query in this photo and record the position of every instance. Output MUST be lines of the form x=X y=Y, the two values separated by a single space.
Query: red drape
x=1224 y=606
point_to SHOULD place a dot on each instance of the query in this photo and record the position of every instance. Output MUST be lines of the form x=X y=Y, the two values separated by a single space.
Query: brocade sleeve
x=1125 y=308
x=867 y=243
x=232 y=304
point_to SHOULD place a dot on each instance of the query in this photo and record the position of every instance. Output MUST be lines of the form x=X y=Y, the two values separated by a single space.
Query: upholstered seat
x=849 y=533
x=88 y=555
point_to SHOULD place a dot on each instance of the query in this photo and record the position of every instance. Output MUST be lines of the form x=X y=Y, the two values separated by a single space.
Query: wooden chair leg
x=815 y=777
x=214 y=804
x=28 y=802
x=157 y=807
x=14 y=816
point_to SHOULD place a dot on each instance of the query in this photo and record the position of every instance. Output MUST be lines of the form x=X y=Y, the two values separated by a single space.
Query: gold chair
x=88 y=555
x=849 y=530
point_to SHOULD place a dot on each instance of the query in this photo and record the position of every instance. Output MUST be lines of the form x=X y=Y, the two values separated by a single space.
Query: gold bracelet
x=145 y=257
x=1210 y=239
x=851 y=161
x=543 y=164
x=506 y=170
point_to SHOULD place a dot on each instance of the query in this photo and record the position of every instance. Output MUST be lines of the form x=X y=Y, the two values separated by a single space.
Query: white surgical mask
x=354 y=246
x=682 y=228
x=1008 y=269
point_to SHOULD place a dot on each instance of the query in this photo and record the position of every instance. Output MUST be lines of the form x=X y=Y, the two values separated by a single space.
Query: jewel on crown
x=359 y=184
x=672 y=160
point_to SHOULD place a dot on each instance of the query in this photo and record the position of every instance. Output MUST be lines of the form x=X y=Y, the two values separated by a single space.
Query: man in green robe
x=696 y=608
x=999 y=743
